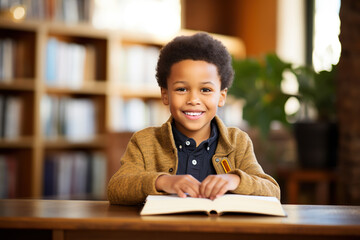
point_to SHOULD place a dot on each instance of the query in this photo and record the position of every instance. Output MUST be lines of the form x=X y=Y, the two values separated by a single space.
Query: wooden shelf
x=141 y=92
x=18 y=84
x=62 y=143
x=101 y=86
x=79 y=29
x=95 y=88
x=22 y=142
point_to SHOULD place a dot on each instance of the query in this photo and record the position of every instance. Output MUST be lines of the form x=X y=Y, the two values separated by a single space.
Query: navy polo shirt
x=193 y=160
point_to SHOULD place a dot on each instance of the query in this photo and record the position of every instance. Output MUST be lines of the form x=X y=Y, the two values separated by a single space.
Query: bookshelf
x=46 y=102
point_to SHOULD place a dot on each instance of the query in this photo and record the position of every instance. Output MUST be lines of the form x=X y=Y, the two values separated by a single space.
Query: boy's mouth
x=193 y=115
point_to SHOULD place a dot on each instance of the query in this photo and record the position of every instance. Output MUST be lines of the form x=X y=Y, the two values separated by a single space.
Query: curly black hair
x=200 y=46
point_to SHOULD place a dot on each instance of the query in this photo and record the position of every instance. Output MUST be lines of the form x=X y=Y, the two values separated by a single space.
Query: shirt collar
x=182 y=141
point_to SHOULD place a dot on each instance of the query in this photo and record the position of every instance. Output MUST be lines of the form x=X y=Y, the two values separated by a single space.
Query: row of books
x=143 y=15
x=72 y=118
x=135 y=114
x=75 y=118
x=10 y=116
x=8 y=176
x=69 y=64
x=69 y=11
x=137 y=65
x=69 y=175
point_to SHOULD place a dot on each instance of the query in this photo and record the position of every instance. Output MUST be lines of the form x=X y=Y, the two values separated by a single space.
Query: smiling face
x=193 y=94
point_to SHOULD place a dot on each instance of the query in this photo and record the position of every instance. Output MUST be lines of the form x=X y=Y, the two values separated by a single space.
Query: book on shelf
x=50 y=117
x=98 y=174
x=8 y=176
x=69 y=11
x=80 y=120
x=81 y=165
x=74 y=11
x=66 y=63
x=50 y=170
x=64 y=174
x=2 y=115
x=12 y=64
x=13 y=117
x=75 y=175
x=228 y=203
x=51 y=61
x=72 y=118
x=138 y=64
x=136 y=114
x=128 y=115
x=10 y=116
x=7 y=55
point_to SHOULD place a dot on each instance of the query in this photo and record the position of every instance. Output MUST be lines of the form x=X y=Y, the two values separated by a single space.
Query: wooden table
x=62 y=219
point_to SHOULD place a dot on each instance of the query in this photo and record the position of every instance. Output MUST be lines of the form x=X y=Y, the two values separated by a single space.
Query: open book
x=167 y=204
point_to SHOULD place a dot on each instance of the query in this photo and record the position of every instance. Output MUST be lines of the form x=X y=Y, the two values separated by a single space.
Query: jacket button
x=171 y=170
x=217 y=160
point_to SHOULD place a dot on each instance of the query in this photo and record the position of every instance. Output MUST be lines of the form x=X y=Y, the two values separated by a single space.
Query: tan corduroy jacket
x=152 y=152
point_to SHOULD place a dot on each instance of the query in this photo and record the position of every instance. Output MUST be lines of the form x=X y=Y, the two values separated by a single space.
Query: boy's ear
x=165 y=96
x=222 y=99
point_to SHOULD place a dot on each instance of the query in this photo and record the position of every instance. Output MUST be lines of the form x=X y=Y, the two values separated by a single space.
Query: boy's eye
x=181 y=89
x=206 y=90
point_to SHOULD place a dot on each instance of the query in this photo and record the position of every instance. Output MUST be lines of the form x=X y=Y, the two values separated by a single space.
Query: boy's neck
x=199 y=135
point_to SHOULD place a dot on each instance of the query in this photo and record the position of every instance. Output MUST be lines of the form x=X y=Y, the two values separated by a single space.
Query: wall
x=348 y=102
x=290 y=38
x=253 y=21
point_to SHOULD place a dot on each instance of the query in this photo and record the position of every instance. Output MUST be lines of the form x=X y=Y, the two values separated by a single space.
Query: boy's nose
x=193 y=100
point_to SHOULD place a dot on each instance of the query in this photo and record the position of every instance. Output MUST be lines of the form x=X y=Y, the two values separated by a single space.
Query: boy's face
x=193 y=95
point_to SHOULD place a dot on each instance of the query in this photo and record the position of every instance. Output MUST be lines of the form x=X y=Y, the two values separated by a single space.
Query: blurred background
x=77 y=79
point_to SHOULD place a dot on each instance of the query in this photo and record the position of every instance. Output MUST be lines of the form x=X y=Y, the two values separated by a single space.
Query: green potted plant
x=316 y=134
x=258 y=82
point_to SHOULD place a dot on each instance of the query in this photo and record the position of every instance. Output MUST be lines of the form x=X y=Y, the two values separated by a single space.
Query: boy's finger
x=181 y=194
x=191 y=191
x=207 y=187
x=192 y=185
x=218 y=190
x=203 y=185
x=195 y=186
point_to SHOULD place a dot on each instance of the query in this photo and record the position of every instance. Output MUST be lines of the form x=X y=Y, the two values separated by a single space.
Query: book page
x=160 y=204
x=249 y=204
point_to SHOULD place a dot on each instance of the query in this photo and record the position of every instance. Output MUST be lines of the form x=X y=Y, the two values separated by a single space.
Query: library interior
x=77 y=79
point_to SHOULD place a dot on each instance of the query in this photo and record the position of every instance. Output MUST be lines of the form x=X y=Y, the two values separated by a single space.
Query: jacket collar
x=224 y=146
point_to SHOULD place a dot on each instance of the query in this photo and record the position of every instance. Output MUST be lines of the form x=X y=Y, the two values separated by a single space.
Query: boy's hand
x=217 y=185
x=179 y=184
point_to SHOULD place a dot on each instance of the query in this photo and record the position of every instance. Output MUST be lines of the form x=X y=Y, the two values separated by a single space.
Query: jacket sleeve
x=253 y=180
x=131 y=184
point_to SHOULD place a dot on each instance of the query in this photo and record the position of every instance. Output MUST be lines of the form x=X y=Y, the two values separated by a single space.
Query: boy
x=193 y=153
